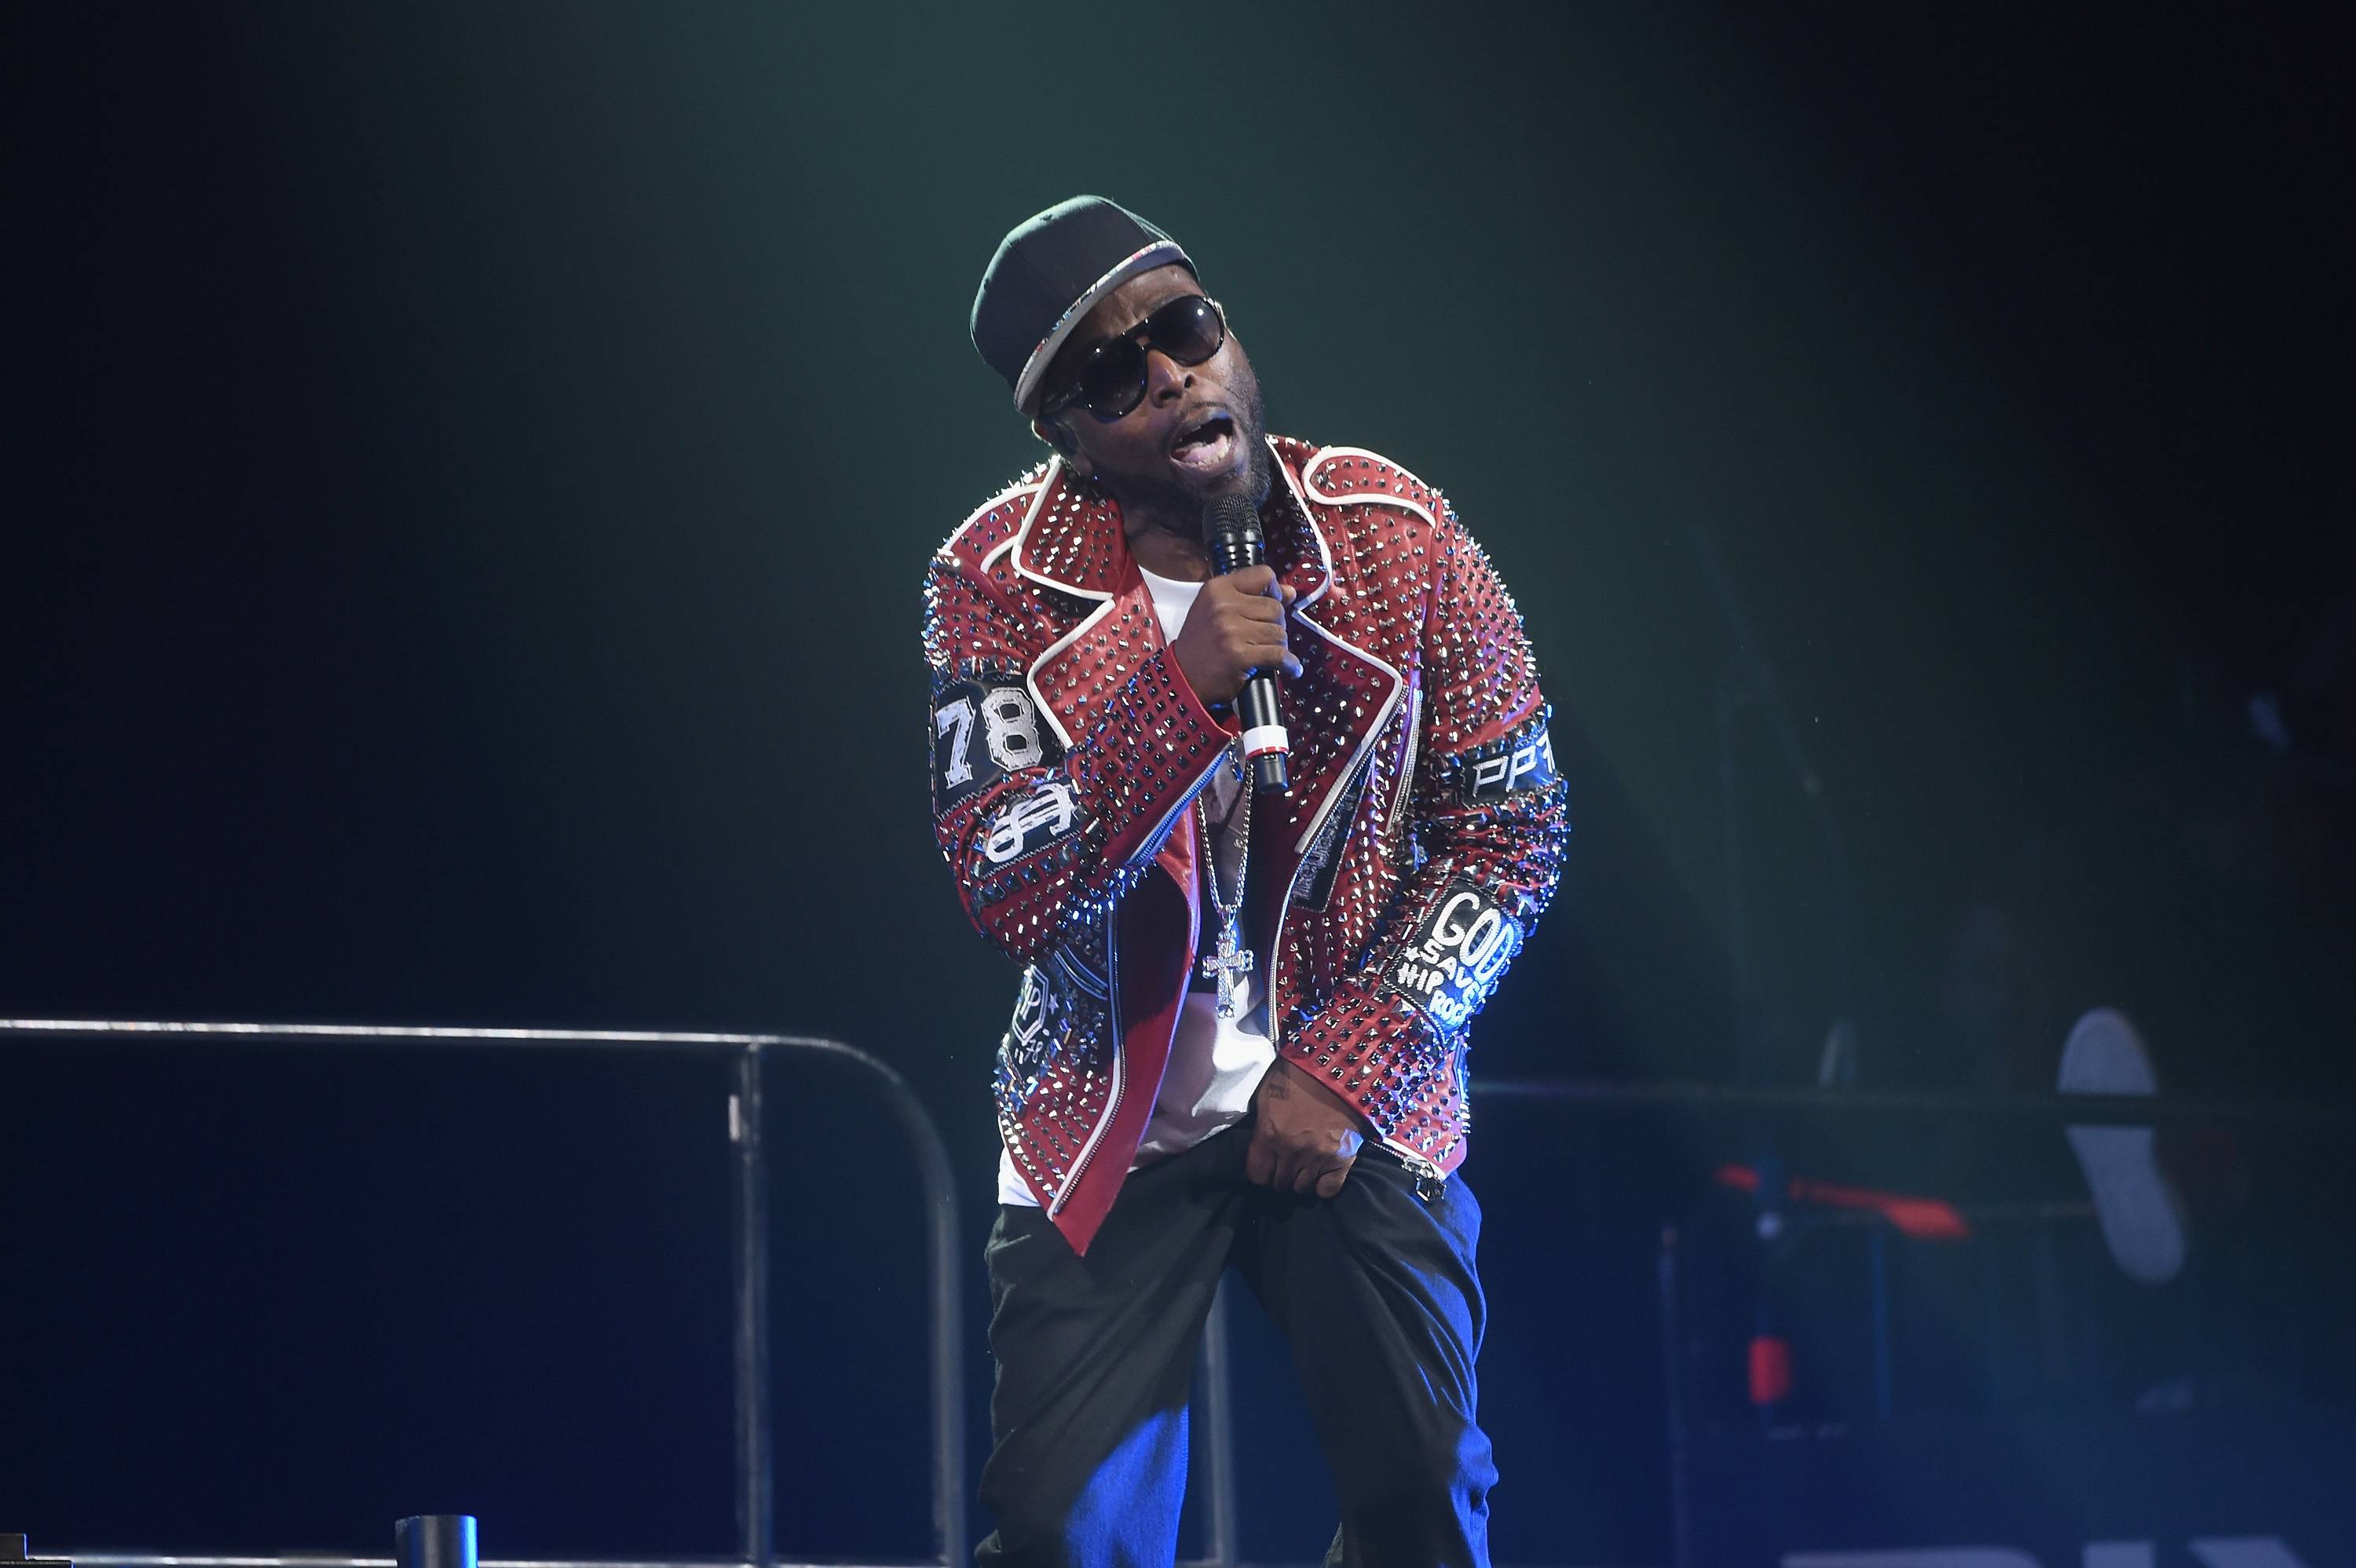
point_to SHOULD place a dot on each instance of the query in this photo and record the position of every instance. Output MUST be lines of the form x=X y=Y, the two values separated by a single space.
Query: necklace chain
x=1230 y=961
x=1242 y=808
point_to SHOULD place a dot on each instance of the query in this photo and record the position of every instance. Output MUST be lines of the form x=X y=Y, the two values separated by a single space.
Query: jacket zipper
x=1112 y=933
x=1422 y=1170
x=1120 y=1063
x=1400 y=791
x=1113 y=1000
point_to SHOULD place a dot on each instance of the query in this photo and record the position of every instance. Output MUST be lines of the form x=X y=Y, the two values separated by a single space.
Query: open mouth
x=1206 y=445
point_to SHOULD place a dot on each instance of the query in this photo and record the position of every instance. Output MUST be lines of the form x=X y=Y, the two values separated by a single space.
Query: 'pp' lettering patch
x=1454 y=955
x=1524 y=762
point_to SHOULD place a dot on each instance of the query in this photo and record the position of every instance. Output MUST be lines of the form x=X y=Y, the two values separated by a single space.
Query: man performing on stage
x=1240 y=1034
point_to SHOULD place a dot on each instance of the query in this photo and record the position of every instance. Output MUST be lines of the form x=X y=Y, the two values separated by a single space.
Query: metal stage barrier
x=1764 y=1103
x=754 y=1444
x=755 y=1507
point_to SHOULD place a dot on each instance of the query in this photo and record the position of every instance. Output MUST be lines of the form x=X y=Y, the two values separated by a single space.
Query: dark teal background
x=467 y=474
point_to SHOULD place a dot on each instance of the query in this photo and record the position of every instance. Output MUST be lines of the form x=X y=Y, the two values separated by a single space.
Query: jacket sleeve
x=1488 y=822
x=1045 y=839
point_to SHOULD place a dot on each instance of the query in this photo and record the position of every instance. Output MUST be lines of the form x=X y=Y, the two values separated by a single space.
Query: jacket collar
x=1073 y=539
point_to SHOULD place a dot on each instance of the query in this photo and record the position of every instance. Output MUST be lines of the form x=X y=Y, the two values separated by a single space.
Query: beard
x=1168 y=492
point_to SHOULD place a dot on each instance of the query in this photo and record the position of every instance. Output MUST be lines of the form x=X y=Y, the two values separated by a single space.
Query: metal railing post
x=756 y=1524
x=1673 y=1397
x=932 y=1171
x=1218 y=1438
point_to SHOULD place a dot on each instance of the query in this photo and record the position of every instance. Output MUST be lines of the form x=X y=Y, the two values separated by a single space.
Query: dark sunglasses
x=1111 y=379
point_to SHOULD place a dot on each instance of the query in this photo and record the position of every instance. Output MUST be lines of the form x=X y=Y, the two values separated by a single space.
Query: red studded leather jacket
x=1422 y=836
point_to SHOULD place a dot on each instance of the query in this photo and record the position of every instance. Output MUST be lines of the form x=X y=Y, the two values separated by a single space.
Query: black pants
x=1376 y=1290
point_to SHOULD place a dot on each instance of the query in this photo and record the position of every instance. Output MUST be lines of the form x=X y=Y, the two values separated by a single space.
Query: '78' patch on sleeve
x=1454 y=955
x=982 y=732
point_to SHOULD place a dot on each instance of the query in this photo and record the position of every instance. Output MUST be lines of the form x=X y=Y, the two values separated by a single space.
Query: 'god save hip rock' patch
x=1454 y=955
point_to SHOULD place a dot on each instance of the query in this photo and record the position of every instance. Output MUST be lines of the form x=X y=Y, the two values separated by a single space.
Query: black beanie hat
x=1049 y=274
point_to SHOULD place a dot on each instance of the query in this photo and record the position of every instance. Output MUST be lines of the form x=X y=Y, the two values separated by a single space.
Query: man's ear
x=1056 y=436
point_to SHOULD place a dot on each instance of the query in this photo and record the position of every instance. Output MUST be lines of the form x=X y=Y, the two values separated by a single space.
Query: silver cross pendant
x=1227 y=965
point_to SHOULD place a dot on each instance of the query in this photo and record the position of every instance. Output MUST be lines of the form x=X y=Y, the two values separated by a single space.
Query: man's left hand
x=1305 y=1137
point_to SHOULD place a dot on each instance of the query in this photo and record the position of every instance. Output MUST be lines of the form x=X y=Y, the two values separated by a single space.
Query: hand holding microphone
x=1234 y=639
x=1236 y=627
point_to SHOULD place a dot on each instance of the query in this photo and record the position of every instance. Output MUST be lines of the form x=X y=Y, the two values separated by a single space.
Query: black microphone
x=1231 y=530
